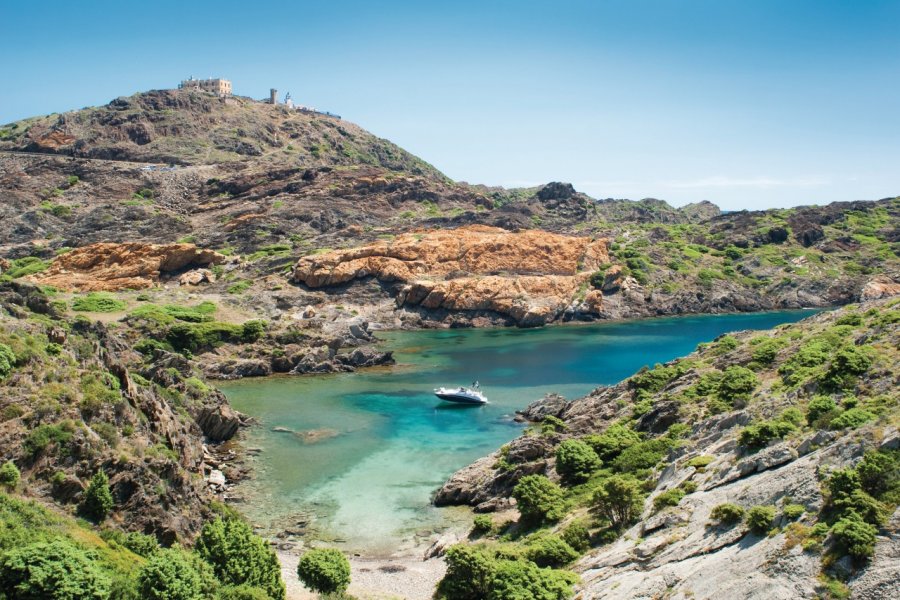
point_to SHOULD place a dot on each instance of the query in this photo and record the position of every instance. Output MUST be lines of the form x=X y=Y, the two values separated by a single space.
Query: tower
x=273 y=96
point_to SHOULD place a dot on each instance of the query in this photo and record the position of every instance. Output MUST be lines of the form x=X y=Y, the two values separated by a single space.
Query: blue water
x=371 y=447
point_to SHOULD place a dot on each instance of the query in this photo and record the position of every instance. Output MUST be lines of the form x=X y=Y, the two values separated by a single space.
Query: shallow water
x=366 y=450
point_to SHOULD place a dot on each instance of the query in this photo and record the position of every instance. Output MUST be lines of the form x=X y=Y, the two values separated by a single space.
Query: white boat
x=463 y=395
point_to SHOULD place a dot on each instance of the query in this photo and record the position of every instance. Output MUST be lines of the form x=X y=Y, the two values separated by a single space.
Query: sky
x=748 y=104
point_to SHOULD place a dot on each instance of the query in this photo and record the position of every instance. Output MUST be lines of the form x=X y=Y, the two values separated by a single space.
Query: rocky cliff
x=764 y=423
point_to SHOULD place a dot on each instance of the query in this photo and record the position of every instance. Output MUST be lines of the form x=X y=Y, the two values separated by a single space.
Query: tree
x=98 y=500
x=575 y=461
x=9 y=475
x=619 y=499
x=538 y=499
x=324 y=570
x=169 y=575
x=854 y=536
x=240 y=557
x=51 y=571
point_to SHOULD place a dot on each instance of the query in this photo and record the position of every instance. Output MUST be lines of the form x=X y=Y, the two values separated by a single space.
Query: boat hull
x=460 y=399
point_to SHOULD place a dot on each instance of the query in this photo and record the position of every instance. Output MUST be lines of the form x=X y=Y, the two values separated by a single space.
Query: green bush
x=483 y=524
x=521 y=580
x=859 y=502
x=847 y=365
x=324 y=570
x=818 y=407
x=655 y=379
x=169 y=575
x=760 y=518
x=42 y=436
x=240 y=557
x=852 y=419
x=644 y=455
x=468 y=576
x=576 y=461
x=879 y=474
x=727 y=513
x=668 y=498
x=701 y=462
x=7 y=361
x=793 y=511
x=29 y=265
x=98 y=500
x=550 y=551
x=9 y=475
x=98 y=302
x=612 y=442
x=54 y=570
x=140 y=543
x=538 y=499
x=242 y=592
x=854 y=536
x=759 y=434
x=577 y=536
x=736 y=383
x=767 y=350
x=619 y=499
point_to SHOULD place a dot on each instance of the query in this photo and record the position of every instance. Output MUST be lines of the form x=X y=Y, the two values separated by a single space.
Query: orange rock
x=109 y=266
x=532 y=276
x=880 y=287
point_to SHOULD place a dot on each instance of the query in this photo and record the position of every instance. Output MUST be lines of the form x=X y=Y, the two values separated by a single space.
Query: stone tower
x=273 y=96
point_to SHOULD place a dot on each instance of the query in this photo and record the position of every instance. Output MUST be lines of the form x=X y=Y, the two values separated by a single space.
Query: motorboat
x=462 y=395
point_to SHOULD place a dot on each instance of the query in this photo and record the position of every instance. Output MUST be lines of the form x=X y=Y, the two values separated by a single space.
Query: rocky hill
x=765 y=464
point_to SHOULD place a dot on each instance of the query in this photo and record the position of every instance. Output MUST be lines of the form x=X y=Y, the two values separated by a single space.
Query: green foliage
x=240 y=287
x=169 y=575
x=643 y=455
x=726 y=344
x=759 y=434
x=854 y=536
x=7 y=361
x=9 y=475
x=483 y=524
x=55 y=570
x=29 y=265
x=468 y=576
x=140 y=543
x=765 y=352
x=736 y=383
x=550 y=551
x=240 y=557
x=879 y=474
x=98 y=500
x=97 y=302
x=727 y=513
x=793 y=511
x=619 y=499
x=202 y=336
x=252 y=330
x=324 y=570
x=612 y=442
x=242 y=592
x=819 y=406
x=848 y=364
x=551 y=425
x=668 y=498
x=701 y=462
x=852 y=419
x=41 y=437
x=538 y=499
x=577 y=536
x=760 y=519
x=859 y=502
x=655 y=379
x=576 y=461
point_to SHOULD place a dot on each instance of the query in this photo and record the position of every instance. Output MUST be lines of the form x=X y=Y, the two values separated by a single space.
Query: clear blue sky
x=749 y=104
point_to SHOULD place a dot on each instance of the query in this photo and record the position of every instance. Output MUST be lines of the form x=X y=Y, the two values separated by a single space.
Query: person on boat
x=475 y=385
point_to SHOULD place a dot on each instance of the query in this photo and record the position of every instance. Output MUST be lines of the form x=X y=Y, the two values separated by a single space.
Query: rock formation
x=129 y=266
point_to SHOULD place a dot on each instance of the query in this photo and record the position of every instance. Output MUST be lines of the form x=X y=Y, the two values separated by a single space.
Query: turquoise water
x=366 y=450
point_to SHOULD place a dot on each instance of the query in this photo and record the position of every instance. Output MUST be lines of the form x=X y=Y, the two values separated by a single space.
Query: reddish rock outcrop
x=880 y=287
x=109 y=267
x=530 y=276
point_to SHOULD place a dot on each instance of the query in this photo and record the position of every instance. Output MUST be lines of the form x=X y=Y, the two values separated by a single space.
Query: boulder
x=219 y=423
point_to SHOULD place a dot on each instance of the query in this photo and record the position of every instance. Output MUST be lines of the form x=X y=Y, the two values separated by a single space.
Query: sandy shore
x=408 y=576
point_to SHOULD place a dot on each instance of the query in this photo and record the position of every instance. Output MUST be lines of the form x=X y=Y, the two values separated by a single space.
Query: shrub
x=847 y=365
x=760 y=434
x=42 y=436
x=240 y=557
x=852 y=418
x=141 y=544
x=575 y=460
x=760 y=518
x=9 y=475
x=52 y=571
x=727 y=513
x=668 y=498
x=469 y=570
x=879 y=473
x=736 y=382
x=619 y=499
x=577 y=536
x=253 y=330
x=98 y=302
x=551 y=425
x=242 y=592
x=859 y=502
x=98 y=500
x=854 y=536
x=538 y=499
x=793 y=511
x=550 y=551
x=612 y=442
x=700 y=462
x=324 y=570
x=644 y=455
x=766 y=351
x=819 y=406
x=518 y=579
x=482 y=524
x=169 y=575
x=7 y=361
x=655 y=379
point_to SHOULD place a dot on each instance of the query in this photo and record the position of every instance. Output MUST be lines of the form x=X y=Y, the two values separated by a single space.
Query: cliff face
x=530 y=276
x=693 y=441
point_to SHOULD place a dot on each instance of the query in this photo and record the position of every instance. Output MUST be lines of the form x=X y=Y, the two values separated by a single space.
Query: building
x=220 y=87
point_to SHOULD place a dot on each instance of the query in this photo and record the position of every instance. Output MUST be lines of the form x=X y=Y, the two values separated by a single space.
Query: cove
x=363 y=452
